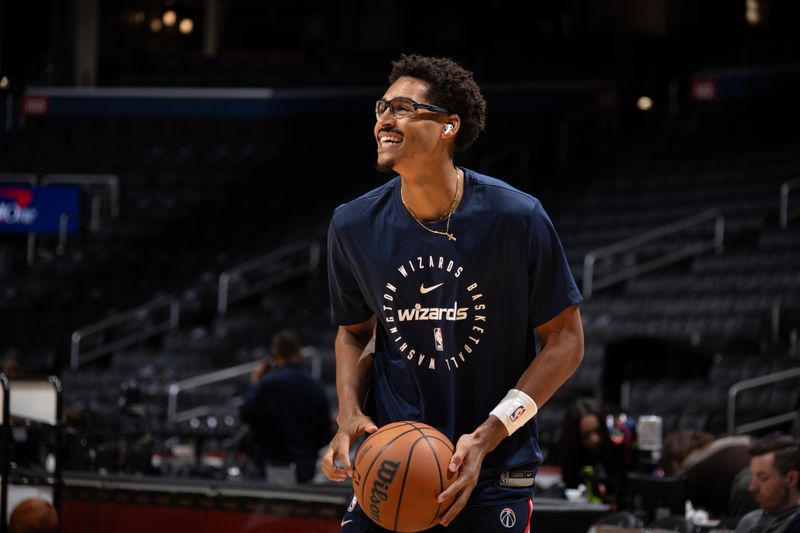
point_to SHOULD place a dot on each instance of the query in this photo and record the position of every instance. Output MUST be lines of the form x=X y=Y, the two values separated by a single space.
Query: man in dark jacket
x=287 y=410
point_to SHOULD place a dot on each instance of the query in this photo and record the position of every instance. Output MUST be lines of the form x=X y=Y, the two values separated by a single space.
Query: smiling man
x=452 y=273
x=775 y=484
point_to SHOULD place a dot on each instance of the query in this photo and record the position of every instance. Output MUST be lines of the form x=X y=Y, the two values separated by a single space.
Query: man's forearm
x=561 y=355
x=353 y=370
x=549 y=371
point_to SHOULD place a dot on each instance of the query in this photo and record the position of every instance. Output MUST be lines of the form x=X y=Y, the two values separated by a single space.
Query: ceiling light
x=186 y=26
x=169 y=18
x=645 y=103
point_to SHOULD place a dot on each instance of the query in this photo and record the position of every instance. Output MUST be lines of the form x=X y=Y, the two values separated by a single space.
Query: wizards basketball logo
x=430 y=294
x=507 y=517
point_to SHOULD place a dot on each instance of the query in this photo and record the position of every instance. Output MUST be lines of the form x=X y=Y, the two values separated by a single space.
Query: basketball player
x=452 y=271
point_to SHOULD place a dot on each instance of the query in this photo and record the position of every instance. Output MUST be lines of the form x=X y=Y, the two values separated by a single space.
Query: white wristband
x=515 y=410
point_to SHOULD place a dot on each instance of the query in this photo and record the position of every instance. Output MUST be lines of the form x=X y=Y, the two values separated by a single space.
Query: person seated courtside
x=775 y=484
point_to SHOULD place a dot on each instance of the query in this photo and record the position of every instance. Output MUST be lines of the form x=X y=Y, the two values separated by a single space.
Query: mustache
x=390 y=130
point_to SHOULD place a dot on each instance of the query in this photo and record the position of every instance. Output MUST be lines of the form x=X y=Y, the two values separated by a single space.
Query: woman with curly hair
x=588 y=455
x=452 y=273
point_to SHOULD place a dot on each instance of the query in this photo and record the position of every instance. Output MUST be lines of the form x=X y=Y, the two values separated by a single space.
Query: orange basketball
x=398 y=473
x=33 y=515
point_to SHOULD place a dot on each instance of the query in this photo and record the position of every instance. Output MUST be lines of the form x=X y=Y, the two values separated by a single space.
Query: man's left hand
x=466 y=462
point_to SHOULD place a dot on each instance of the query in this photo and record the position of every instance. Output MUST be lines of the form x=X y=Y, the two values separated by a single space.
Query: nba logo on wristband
x=515 y=410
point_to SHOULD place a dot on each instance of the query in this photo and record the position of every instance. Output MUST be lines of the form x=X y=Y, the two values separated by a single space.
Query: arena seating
x=201 y=195
x=721 y=304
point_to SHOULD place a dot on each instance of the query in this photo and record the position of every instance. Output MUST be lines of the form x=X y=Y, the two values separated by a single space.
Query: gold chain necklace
x=446 y=232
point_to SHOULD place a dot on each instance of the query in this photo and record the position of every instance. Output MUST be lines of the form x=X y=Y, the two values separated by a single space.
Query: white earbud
x=448 y=128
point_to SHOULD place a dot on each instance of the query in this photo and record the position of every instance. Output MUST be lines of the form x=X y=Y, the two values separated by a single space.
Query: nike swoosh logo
x=425 y=290
x=345 y=522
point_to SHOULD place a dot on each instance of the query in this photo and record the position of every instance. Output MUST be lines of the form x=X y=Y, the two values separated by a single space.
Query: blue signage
x=39 y=209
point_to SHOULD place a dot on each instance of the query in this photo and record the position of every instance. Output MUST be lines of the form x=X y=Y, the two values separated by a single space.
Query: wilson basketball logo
x=508 y=518
x=380 y=488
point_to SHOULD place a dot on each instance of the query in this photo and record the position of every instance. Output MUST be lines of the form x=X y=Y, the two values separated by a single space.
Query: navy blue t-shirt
x=456 y=318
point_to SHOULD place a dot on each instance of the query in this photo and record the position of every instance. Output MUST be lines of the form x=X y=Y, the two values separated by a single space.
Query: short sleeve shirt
x=456 y=319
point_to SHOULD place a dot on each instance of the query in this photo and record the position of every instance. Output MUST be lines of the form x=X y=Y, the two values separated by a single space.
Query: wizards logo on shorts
x=508 y=518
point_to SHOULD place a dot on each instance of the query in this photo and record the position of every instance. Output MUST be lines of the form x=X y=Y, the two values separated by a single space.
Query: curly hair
x=449 y=86
x=571 y=451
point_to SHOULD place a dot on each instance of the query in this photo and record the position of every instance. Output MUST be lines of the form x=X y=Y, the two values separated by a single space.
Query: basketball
x=398 y=473
x=33 y=515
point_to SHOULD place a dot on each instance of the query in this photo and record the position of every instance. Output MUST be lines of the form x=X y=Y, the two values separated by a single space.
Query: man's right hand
x=336 y=461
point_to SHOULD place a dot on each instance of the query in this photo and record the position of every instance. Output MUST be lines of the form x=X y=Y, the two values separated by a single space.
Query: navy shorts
x=491 y=509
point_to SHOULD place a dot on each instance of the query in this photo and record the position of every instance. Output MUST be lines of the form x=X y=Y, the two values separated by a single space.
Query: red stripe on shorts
x=530 y=513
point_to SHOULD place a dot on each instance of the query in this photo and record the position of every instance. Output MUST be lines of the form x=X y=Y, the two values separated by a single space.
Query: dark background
x=201 y=193
x=643 y=44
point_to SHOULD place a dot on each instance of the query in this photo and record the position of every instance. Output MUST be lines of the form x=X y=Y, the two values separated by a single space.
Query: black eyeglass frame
x=416 y=105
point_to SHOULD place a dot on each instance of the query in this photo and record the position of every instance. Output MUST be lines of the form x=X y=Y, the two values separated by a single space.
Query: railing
x=218 y=376
x=263 y=272
x=106 y=180
x=591 y=285
x=137 y=335
x=785 y=212
x=775 y=322
x=760 y=381
x=18 y=177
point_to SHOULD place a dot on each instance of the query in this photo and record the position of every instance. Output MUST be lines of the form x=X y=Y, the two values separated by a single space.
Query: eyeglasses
x=402 y=107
